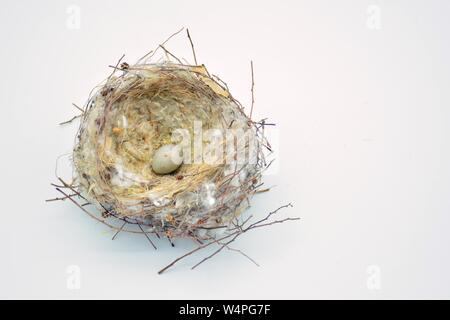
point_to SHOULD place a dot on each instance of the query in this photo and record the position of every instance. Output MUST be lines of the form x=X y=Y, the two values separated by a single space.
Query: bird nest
x=197 y=190
x=154 y=105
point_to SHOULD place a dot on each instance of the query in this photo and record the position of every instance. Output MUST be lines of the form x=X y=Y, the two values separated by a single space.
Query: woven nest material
x=152 y=105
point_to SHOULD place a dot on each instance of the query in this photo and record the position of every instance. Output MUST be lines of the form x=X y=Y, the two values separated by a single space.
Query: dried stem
x=170 y=54
x=95 y=217
x=118 y=231
x=244 y=254
x=193 y=251
x=82 y=111
x=233 y=235
x=148 y=238
x=59 y=199
x=69 y=121
x=253 y=90
x=152 y=53
x=218 y=250
x=192 y=46
x=117 y=64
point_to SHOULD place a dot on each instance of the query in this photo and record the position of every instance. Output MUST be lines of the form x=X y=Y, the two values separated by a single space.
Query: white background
x=359 y=91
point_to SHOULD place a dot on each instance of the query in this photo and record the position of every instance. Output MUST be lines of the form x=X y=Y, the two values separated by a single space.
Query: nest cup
x=149 y=106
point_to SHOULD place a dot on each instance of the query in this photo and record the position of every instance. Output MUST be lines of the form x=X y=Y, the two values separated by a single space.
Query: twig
x=217 y=251
x=67 y=185
x=75 y=117
x=253 y=90
x=234 y=235
x=78 y=205
x=153 y=52
x=114 y=70
x=193 y=251
x=69 y=121
x=173 y=35
x=82 y=111
x=95 y=217
x=170 y=241
x=268 y=216
x=58 y=186
x=171 y=54
x=192 y=46
x=244 y=254
x=60 y=199
x=275 y=222
x=118 y=231
x=146 y=235
x=252 y=226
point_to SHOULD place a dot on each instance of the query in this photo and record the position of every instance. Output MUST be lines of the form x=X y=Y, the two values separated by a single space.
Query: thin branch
x=244 y=254
x=118 y=231
x=268 y=216
x=253 y=90
x=275 y=222
x=69 y=121
x=60 y=199
x=82 y=111
x=67 y=185
x=146 y=235
x=192 y=46
x=93 y=216
x=217 y=251
x=59 y=186
x=193 y=251
x=262 y=190
x=117 y=64
x=153 y=52
x=171 y=54
x=173 y=35
x=78 y=205
x=233 y=235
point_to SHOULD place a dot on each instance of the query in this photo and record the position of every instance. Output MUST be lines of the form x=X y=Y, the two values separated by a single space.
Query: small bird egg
x=167 y=159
